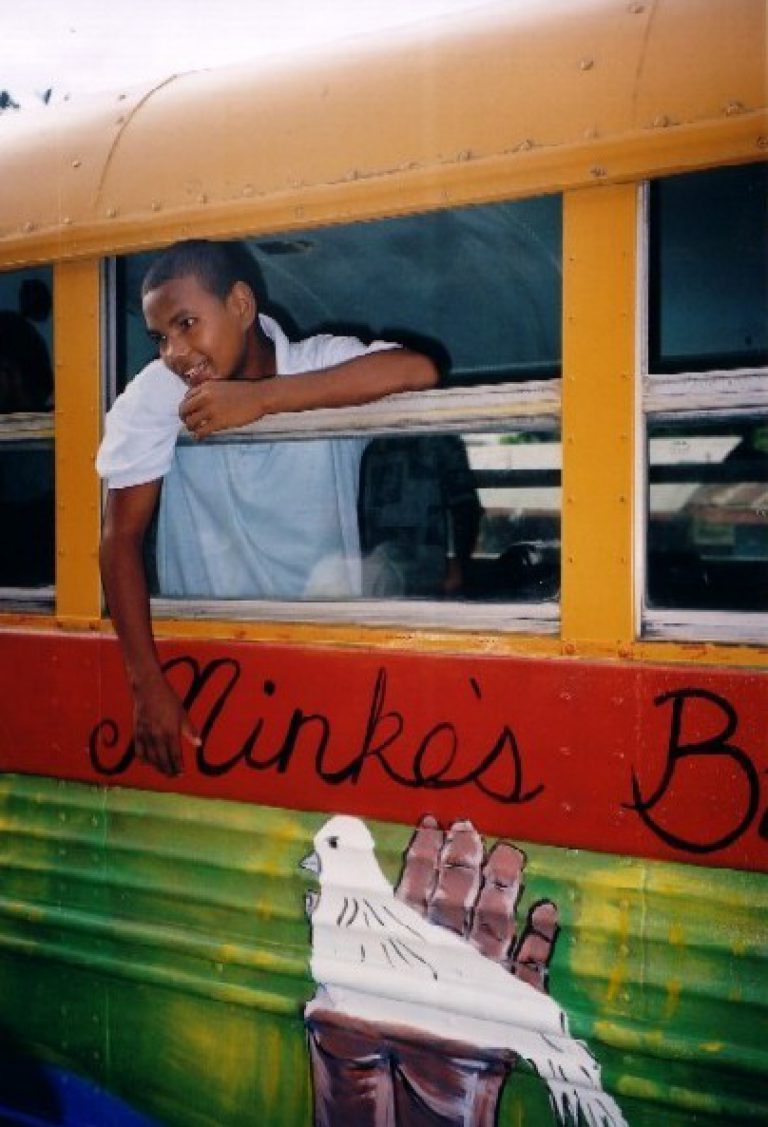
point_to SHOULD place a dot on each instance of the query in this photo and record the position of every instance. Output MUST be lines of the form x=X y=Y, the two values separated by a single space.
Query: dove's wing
x=374 y=930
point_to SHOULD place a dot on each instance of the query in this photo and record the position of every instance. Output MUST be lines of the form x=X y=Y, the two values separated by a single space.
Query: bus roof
x=517 y=103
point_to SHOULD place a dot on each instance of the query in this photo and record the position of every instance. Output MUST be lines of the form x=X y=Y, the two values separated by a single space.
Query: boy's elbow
x=423 y=372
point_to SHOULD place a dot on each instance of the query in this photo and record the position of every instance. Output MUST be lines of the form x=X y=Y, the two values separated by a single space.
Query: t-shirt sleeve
x=141 y=429
x=325 y=351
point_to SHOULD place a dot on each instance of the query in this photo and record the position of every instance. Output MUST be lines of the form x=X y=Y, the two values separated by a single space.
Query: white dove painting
x=381 y=965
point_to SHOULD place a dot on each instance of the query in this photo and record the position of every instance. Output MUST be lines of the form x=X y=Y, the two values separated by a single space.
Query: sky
x=81 y=46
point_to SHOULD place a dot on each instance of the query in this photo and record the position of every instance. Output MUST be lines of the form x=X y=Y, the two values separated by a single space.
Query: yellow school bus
x=483 y=840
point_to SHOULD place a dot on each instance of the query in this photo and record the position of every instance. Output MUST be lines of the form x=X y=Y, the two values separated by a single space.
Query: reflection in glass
x=479 y=287
x=26 y=434
x=471 y=517
x=709 y=270
x=708 y=516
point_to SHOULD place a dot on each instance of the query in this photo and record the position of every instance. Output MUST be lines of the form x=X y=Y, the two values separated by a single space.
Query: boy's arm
x=221 y=404
x=159 y=718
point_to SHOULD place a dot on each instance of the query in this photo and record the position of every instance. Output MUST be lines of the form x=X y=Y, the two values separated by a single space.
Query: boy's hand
x=160 y=724
x=222 y=404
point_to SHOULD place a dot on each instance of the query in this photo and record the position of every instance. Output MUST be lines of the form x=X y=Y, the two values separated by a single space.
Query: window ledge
x=439 y=410
x=706 y=626
x=539 y=618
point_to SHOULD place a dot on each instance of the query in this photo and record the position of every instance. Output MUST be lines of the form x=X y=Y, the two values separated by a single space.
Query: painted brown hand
x=377 y=1060
x=448 y=879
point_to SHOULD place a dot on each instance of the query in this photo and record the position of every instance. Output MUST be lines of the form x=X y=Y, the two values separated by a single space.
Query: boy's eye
x=188 y=322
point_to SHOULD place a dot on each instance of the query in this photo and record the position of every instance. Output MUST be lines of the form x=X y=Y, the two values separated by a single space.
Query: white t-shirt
x=258 y=520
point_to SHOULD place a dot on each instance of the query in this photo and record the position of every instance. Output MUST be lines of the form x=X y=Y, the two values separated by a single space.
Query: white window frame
x=533 y=405
x=698 y=397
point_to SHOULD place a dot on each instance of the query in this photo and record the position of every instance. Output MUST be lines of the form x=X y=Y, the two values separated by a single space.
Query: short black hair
x=217 y=265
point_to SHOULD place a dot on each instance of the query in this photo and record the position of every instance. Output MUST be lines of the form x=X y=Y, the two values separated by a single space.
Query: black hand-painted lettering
x=677 y=751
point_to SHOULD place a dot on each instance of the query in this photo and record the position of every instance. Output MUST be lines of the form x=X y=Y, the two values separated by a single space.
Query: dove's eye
x=333 y=842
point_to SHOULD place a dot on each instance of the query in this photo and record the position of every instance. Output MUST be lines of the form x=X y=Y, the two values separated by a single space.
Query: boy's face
x=199 y=336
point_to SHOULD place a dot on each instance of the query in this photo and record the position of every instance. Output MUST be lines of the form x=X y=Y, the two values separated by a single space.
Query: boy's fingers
x=190 y=733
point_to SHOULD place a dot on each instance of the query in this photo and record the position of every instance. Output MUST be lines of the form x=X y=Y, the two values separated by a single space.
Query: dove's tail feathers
x=574 y=1105
x=572 y=1076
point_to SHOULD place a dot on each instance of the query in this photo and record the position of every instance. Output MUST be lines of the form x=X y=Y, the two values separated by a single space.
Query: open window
x=26 y=440
x=456 y=493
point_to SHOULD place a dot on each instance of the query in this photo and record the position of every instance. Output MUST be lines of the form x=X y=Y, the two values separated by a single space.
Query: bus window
x=704 y=400
x=708 y=516
x=480 y=286
x=26 y=437
x=439 y=514
x=709 y=270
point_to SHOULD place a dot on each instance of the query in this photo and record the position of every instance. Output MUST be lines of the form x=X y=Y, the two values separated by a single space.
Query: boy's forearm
x=125 y=587
x=362 y=380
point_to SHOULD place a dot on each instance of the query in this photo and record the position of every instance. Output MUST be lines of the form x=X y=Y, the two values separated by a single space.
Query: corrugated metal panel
x=158 y=943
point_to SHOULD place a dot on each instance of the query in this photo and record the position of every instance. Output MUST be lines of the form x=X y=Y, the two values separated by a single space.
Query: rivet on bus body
x=111 y=213
x=636 y=9
x=524 y=146
x=586 y=64
x=66 y=220
x=465 y=154
x=156 y=205
x=566 y=807
x=762 y=142
x=569 y=647
x=202 y=198
x=733 y=108
x=28 y=226
x=624 y=651
x=662 y=121
x=76 y=162
x=591 y=134
x=598 y=171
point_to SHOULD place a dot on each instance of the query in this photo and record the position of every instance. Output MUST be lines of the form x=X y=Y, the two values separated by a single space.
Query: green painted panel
x=158 y=944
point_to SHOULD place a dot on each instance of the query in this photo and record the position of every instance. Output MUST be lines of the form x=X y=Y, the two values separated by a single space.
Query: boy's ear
x=242 y=303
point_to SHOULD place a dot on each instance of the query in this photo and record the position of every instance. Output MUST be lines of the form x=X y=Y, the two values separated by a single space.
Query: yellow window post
x=600 y=268
x=77 y=428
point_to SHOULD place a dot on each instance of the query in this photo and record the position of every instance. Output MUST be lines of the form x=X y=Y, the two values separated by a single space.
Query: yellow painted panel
x=599 y=272
x=516 y=99
x=77 y=422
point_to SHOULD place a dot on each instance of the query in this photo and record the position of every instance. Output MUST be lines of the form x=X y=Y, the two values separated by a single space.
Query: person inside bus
x=419 y=517
x=248 y=520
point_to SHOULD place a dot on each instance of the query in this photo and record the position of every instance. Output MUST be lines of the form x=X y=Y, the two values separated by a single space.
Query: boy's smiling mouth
x=198 y=373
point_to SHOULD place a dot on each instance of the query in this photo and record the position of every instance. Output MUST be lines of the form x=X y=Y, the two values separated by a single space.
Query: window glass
x=708 y=515
x=709 y=270
x=478 y=286
x=26 y=431
x=440 y=516
x=424 y=516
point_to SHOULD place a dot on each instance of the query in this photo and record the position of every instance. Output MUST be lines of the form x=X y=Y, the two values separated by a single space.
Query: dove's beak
x=311 y=863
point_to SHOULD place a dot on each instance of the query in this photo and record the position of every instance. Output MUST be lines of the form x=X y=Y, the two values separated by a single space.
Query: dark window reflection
x=708 y=516
x=480 y=287
x=26 y=430
x=461 y=517
x=709 y=270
